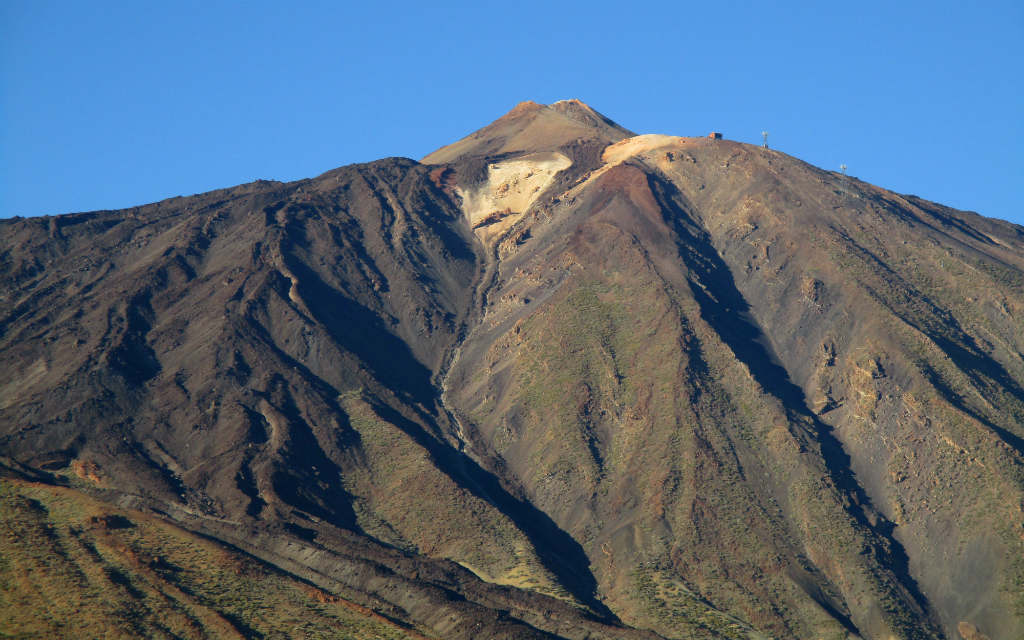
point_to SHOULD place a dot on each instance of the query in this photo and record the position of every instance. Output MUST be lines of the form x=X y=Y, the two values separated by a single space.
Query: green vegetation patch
x=72 y=567
x=676 y=607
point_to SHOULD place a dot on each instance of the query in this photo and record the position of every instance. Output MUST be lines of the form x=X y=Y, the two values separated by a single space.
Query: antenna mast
x=764 y=137
x=842 y=168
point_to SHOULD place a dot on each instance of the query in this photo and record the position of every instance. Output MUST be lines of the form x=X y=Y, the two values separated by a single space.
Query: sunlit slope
x=74 y=567
x=718 y=352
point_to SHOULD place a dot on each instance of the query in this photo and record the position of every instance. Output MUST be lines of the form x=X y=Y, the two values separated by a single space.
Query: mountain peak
x=526 y=106
x=572 y=105
x=530 y=127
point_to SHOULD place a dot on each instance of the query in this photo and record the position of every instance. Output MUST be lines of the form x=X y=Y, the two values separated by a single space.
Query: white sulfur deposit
x=511 y=187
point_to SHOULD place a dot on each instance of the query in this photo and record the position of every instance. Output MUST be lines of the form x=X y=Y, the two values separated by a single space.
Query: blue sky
x=112 y=104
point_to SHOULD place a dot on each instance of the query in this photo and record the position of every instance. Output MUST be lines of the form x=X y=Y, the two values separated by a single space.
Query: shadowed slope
x=270 y=371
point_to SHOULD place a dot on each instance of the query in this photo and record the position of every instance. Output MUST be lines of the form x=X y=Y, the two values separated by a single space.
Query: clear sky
x=112 y=104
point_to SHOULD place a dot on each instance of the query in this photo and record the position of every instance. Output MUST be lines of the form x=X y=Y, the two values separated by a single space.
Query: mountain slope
x=76 y=567
x=712 y=300
x=261 y=359
x=627 y=382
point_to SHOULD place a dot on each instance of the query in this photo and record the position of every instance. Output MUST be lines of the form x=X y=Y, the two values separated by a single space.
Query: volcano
x=554 y=380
